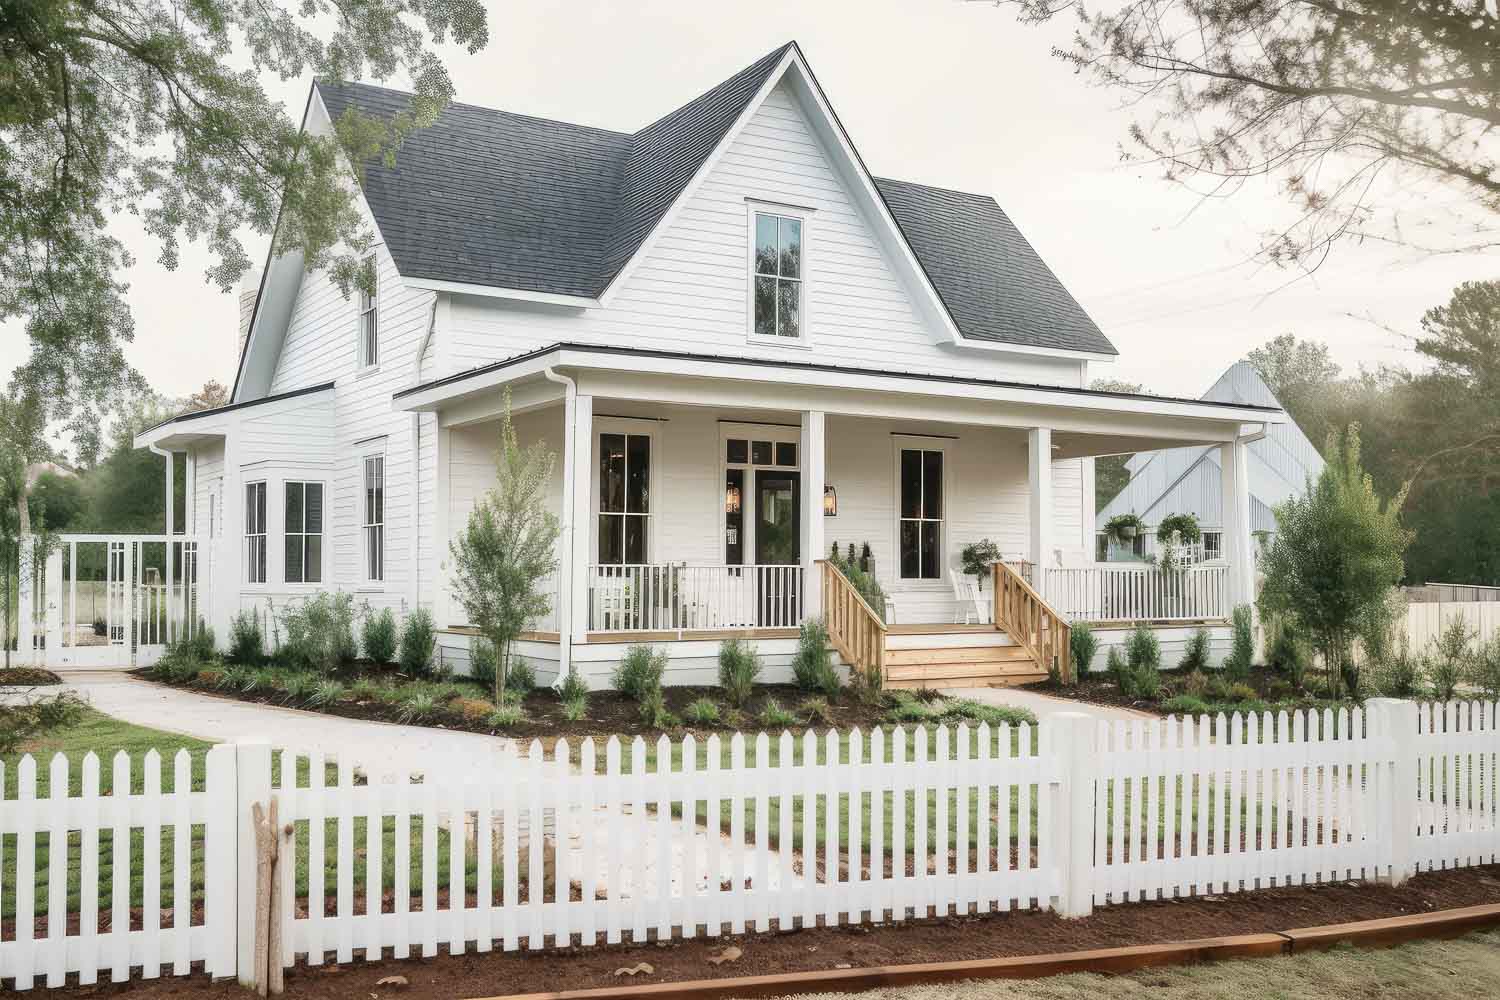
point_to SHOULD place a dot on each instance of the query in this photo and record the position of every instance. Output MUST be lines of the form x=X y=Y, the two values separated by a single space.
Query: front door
x=778 y=543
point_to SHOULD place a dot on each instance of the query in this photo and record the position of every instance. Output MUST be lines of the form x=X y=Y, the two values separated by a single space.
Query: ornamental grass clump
x=702 y=712
x=247 y=644
x=1242 y=649
x=812 y=666
x=773 y=716
x=1083 y=646
x=640 y=672
x=739 y=666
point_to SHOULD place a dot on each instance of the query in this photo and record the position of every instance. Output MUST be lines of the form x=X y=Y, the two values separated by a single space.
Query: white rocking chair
x=969 y=605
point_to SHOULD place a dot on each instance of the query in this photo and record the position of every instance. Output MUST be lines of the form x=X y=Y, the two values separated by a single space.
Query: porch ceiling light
x=830 y=502
x=732 y=499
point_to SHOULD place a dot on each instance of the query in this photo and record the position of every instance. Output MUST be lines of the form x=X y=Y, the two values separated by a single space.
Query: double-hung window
x=255 y=532
x=777 y=276
x=304 y=532
x=624 y=497
x=375 y=518
x=921 y=522
x=1213 y=545
x=369 y=327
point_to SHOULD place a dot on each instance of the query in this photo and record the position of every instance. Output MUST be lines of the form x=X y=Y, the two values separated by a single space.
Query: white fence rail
x=626 y=840
x=679 y=597
x=1139 y=593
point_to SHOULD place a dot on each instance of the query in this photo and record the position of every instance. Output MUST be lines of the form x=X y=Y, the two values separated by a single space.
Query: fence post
x=253 y=765
x=1073 y=748
x=1395 y=722
x=219 y=831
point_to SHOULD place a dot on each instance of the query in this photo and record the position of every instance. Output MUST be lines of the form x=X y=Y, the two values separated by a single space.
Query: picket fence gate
x=681 y=838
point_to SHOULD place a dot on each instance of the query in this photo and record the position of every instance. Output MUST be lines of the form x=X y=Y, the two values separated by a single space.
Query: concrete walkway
x=1043 y=705
x=226 y=720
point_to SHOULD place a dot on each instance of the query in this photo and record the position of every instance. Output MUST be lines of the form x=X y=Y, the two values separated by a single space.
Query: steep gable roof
x=508 y=201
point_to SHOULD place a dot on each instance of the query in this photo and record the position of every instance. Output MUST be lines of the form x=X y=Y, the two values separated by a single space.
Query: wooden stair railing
x=856 y=630
x=1031 y=621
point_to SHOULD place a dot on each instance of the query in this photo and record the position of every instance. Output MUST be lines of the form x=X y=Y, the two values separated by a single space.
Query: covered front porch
x=702 y=499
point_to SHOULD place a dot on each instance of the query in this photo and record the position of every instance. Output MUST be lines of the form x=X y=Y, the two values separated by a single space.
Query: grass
x=1426 y=970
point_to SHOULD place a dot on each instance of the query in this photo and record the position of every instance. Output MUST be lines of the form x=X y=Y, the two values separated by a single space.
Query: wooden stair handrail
x=1031 y=621
x=857 y=632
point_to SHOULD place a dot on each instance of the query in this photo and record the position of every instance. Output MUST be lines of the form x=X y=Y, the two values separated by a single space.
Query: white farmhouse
x=742 y=346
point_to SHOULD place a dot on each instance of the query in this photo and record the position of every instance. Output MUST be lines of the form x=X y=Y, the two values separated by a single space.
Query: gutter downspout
x=567 y=541
x=171 y=521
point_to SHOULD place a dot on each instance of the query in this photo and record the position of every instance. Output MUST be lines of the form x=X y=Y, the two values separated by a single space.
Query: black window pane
x=909 y=547
x=611 y=538
x=314 y=506
x=765 y=244
x=786 y=453
x=738 y=452
x=293 y=558
x=293 y=506
x=314 y=559
x=258 y=560
x=931 y=531
x=638 y=474
x=635 y=539
x=612 y=472
x=760 y=453
x=789 y=308
x=911 y=483
x=765 y=307
x=791 y=248
x=932 y=484
x=734 y=516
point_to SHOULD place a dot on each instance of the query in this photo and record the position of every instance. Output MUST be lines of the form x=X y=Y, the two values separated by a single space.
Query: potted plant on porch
x=976 y=558
x=1122 y=528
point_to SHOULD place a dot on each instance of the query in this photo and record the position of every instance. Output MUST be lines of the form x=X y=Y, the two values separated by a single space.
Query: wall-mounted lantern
x=830 y=502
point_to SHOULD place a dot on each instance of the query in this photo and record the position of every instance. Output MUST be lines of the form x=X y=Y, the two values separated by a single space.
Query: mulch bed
x=27 y=677
x=1097 y=688
x=1009 y=934
x=609 y=713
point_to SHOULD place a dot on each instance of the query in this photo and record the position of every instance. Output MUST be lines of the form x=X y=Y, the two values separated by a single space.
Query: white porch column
x=577 y=491
x=228 y=570
x=1039 y=505
x=1234 y=481
x=814 y=455
x=171 y=599
x=26 y=570
x=441 y=530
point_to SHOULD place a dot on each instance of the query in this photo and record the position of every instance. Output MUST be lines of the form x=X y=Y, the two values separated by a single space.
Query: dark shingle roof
x=996 y=287
x=493 y=198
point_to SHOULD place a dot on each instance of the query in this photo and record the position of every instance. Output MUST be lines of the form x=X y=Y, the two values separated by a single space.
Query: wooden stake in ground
x=268 y=972
x=274 y=971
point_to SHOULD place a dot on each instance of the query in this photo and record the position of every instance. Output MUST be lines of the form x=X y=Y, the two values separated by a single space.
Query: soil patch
x=27 y=677
x=1272 y=693
x=996 y=935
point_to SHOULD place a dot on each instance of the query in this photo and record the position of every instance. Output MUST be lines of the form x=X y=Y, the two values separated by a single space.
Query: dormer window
x=777 y=277
x=369 y=328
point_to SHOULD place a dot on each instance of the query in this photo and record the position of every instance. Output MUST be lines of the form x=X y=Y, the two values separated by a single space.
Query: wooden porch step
x=960 y=666
x=955 y=654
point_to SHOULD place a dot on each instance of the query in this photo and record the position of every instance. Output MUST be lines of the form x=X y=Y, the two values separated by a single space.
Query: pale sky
x=941 y=92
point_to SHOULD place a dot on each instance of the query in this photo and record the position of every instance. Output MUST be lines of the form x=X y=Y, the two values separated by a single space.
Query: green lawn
x=1462 y=969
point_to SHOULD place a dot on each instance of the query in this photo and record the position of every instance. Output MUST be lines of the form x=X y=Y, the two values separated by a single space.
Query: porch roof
x=189 y=428
x=1086 y=421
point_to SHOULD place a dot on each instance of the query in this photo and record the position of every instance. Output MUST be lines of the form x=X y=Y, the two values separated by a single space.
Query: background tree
x=156 y=108
x=1336 y=555
x=1325 y=98
x=507 y=547
x=1110 y=474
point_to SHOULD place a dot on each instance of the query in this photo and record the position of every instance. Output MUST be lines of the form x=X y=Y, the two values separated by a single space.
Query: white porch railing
x=677 y=597
x=1139 y=593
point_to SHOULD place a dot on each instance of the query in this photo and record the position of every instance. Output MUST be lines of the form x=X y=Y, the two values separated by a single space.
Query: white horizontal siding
x=691 y=292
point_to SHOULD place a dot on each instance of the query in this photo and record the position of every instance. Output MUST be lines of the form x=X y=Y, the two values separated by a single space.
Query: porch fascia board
x=676 y=377
x=188 y=429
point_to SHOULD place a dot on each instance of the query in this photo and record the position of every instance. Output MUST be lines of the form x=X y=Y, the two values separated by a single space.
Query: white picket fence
x=635 y=840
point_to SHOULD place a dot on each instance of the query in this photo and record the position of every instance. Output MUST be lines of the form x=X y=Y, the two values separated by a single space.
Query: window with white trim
x=255 y=532
x=777 y=276
x=1213 y=545
x=920 y=528
x=624 y=497
x=304 y=532
x=369 y=326
x=374 y=523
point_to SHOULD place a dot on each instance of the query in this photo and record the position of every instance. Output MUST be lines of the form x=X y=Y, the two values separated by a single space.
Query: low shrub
x=1399 y=673
x=1218 y=688
x=484 y=661
x=24 y=721
x=235 y=676
x=1448 y=658
x=1287 y=654
x=473 y=709
x=418 y=637
x=1242 y=648
x=773 y=716
x=506 y=716
x=1195 y=684
x=325 y=693
x=247 y=644
x=1185 y=704
x=1240 y=692
x=365 y=689
x=739 y=666
x=211 y=676
x=576 y=708
x=320 y=632
x=702 y=712
x=520 y=678
x=1083 y=646
x=417 y=707
x=816 y=709
x=1485 y=667
x=812 y=667
x=653 y=708
x=1116 y=667
x=1195 y=653
x=1143 y=649
x=1145 y=682
x=298 y=688
x=902 y=707
x=378 y=636
x=573 y=687
x=199 y=645
x=977 y=711
x=640 y=672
